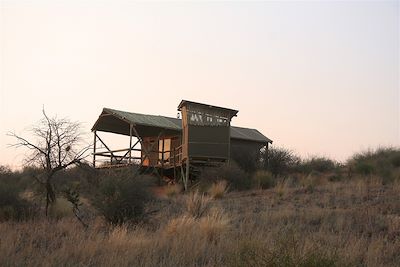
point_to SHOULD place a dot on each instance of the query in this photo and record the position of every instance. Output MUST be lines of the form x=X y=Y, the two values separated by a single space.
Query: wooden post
x=183 y=177
x=229 y=144
x=130 y=142
x=185 y=182
x=162 y=156
x=94 y=150
x=173 y=156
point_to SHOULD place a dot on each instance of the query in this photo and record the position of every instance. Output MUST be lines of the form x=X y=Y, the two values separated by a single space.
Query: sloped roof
x=248 y=134
x=144 y=119
x=233 y=112
x=162 y=122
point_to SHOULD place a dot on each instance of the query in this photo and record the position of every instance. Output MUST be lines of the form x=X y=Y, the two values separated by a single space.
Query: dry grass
x=197 y=204
x=172 y=190
x=353 y=223
x=218 y=189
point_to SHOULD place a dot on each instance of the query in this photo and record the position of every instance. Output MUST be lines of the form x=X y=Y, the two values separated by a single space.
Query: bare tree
x=58 y=144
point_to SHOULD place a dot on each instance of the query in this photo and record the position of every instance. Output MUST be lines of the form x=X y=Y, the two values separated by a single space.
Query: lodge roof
x=161 y=122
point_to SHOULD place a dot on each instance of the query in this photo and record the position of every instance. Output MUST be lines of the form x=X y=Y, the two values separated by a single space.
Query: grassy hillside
x=330 y=215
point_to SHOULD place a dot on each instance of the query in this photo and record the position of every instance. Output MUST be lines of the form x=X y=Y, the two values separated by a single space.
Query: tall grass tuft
x=264 y=180
x=217 y=190
x=197 y=204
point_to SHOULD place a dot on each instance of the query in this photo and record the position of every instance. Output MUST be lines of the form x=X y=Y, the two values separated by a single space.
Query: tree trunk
x=50 y=194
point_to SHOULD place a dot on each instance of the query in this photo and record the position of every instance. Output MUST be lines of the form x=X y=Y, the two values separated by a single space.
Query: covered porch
x=154 y=141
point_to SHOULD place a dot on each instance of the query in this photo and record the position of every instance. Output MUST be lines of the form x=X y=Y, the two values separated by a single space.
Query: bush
x=122 y=199
x=12 y=206
x=246 y=157
x=281 y=161
x=60 y=208
x=384 y=162
x=236 y=178
x=364 y=168
x=317 y=164
x=83 y=175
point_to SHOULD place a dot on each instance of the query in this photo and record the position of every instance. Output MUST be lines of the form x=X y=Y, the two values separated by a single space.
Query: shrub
x=12 y=206
x=60 y=208
x=83 y=175
x=247 y=158
x=263 y=180
x=364 y=168
x=123 y=199
x=384 y=162
x=317 y=164
x=236 y=178
x=281 y=161
x=218 y=189
x=395 y=160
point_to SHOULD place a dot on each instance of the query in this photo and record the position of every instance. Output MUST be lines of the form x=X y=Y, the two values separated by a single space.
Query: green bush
x=317 y=164
x=395 y=160
x=281 y=161
x=236 y=178
x=383 y=162
x=121 y=199
x=12 y=206
x=364 y=168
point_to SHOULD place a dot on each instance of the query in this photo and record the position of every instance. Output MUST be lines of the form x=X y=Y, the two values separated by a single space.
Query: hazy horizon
x=318 y=77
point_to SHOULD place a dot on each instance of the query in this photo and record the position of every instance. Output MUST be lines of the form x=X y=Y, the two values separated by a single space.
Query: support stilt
x=94 y=149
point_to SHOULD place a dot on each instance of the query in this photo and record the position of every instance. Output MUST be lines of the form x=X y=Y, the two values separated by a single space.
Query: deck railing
x=111 y=158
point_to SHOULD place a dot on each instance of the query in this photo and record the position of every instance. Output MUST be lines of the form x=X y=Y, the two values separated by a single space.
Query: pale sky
x=318 y=77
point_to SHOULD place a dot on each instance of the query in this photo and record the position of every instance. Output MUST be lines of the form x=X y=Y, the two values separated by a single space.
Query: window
x=167 y=148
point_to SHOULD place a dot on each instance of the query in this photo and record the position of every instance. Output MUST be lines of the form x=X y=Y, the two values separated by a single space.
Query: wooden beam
x=119 y=150
x=130 y=142
x=141 y=144
x=129 y=151
x=105 y=145
x=94 y=149
x=118 y=157
x=162 y=157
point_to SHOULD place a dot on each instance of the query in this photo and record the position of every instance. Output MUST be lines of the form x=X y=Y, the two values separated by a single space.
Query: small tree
x=280 y=160
x=58 y=145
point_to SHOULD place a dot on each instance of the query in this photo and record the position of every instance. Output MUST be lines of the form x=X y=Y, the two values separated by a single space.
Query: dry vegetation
x=302 y=219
